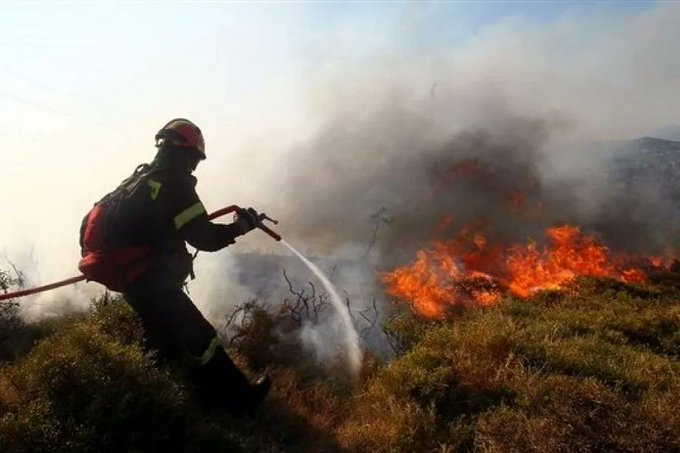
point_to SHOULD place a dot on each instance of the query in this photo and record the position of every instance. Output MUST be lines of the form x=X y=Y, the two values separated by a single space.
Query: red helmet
x=182 y=132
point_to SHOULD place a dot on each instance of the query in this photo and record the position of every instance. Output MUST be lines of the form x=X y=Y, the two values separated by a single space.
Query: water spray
x=351 y=338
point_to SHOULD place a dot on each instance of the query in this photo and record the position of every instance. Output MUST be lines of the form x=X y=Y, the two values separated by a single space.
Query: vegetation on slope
x=596 y=368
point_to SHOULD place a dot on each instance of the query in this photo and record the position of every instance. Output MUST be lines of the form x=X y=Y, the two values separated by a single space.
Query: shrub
x=92 y=386
x=564 y=413
x=591 y=369
x=83 y=389
x=404 y=329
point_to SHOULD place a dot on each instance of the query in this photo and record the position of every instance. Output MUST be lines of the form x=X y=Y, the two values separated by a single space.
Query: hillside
x=648 y=161
x=593 y=368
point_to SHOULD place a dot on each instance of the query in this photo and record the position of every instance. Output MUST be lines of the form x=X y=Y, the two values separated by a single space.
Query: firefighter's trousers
x=177 y=329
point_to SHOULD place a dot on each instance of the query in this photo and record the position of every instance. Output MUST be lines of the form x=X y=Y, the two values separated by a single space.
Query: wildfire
x=470 y=269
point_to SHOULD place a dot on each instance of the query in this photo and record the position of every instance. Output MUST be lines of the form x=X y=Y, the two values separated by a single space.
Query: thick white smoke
x=536 y=90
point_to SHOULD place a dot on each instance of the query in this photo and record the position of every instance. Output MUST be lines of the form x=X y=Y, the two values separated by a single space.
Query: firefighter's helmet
x=182 y=133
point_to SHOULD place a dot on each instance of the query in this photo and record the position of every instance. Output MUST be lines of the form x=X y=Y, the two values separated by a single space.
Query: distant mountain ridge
x=670 y=132
x=650 y=162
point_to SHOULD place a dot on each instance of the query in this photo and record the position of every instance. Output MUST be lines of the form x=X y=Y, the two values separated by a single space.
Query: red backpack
x=115 y=266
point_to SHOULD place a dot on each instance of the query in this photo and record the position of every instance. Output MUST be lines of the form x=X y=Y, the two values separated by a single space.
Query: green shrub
x=591 y=369
x=83 y=389
x=114 y=317
x=404 y=329
x=92 y=386
x=563 y=413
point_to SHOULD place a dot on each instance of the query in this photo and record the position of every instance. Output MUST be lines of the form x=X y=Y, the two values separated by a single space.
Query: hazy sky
x=84 y=86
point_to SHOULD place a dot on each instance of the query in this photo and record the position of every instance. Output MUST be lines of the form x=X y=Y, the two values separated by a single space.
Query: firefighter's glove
x=247 y=219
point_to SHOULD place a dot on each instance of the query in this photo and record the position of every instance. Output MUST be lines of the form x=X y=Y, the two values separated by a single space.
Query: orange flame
x=468 y=269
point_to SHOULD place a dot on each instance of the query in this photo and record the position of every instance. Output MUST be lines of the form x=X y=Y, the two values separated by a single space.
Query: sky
x=84 y=86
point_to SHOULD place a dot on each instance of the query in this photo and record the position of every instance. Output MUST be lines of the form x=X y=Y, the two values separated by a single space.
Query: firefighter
x=149 y=219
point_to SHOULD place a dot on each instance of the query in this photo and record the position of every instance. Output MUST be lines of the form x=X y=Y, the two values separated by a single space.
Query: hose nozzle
x=266 y=217
x=234 y=208
x=266 y=229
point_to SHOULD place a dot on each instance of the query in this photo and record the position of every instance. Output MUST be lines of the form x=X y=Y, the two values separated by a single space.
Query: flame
x=468 y=269
x=657 y=261
x=569 y=255
x=666 y=260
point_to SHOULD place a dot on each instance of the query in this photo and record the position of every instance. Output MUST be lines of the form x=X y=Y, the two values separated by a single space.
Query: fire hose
x=79 y=278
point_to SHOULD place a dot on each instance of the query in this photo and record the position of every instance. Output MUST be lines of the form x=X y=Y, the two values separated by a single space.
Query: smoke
x=522 y=102
x=511 y=128
x=29 y=271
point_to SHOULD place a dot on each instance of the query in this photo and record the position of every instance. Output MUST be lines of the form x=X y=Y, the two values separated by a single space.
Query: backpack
x=105 y=260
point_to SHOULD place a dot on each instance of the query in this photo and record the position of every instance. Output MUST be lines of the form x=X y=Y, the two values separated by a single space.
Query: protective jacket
x=155 y=212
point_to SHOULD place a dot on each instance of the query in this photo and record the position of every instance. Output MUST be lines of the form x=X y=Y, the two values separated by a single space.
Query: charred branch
x=239 y=320
x=378 y=219
x=306 y=306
